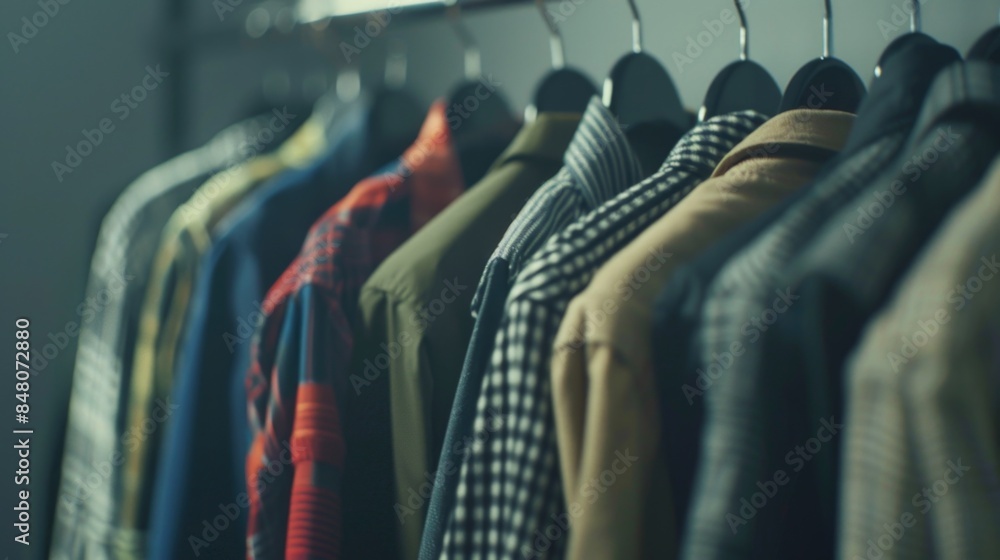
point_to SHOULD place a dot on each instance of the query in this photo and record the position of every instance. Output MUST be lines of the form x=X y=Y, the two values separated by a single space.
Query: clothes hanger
x=987 y=47
x=479 y=116
x=639 y=89
x=275 y=91
x=475 y=106
x=563 y=89
x=825 y=82
x=396 y=115
x=741 y=85
x=914 y=36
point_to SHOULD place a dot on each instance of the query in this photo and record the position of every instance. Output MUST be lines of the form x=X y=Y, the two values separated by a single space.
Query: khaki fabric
x=602 y=376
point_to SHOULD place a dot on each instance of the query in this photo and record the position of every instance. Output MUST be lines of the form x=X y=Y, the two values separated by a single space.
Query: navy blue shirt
x=202 y=476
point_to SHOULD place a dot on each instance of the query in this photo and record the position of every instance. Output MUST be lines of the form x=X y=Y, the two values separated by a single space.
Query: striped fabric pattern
x=599 y=164
x=298 y=387
x=87 y=513
x=509 y=496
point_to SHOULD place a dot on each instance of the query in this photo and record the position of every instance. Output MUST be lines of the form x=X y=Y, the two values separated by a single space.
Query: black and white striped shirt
x=598 y=164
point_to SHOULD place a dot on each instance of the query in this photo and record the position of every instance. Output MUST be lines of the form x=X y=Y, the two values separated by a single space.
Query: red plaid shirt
x=298 y=382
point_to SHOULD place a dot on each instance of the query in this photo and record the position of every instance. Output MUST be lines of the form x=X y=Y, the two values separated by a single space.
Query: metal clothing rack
x=180 y=44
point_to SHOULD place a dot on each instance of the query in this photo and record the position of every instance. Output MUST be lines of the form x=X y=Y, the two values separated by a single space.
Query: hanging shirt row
x=595 y=335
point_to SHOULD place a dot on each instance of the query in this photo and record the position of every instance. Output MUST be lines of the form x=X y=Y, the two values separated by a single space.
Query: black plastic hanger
x=826 y=82
x=742 y=85
x=479 y=116
x=268 y=100
x=475 y=106
x=563 y=89
x=987 y=47
x=639 y=89
x=914 y=36
x=397 y=114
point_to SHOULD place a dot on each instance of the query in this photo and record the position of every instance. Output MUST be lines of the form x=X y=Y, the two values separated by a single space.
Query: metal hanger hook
x=395 y=63
x=555 y=38
x=744 y=30
x=636 y=27
x=473 y=66
x=827 y=30
x=915 y=20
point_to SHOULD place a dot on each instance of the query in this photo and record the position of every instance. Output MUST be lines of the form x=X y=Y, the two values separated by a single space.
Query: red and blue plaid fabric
x=298 y=380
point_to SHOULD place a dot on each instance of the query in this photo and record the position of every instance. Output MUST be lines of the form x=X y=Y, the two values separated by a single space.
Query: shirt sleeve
x=607 y=421
x=295 y=464
x=508 y=486
x=164 y=309
x=394 y=348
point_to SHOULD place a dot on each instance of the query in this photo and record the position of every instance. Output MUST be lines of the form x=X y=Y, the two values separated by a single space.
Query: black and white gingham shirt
x=87 y=503
x=509 y=490
x=598 y=165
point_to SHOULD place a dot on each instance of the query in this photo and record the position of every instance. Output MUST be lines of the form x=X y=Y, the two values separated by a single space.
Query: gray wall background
x=65 y=78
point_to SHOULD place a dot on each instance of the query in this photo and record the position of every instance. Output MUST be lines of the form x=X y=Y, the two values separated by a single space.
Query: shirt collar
x=822 y=131
x=895 y=98
x=430 y=168
x=544 y=138
x=973 y=85
x=702 y=147
x=599 y=158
